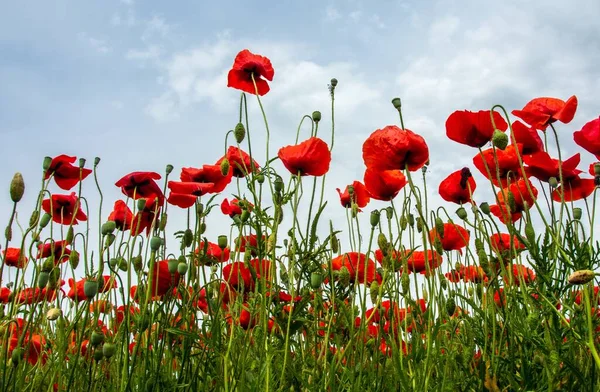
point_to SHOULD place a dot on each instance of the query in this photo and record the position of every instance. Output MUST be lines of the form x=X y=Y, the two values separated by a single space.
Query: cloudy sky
x=142 y=84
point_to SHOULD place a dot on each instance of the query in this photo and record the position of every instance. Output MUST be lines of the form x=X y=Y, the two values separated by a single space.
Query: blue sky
x=143 y=83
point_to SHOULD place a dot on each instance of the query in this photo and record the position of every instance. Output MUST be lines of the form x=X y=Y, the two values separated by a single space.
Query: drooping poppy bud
x=17 y=188
x=239 y=132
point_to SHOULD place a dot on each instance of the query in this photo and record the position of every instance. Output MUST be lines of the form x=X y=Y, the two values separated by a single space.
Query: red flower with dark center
x=238 y=276
x=418 y=261
x=527 y=137
x=162 y=280
x=247 y=66
x=575 y=188
x=392 y=148
x=458 y=186
x=358 y=265
x=506 y=245
x=65 y=173
x=121 y=215
x=384 y=185
x=474 y=129
x=14 y=258
x=309 y=158
x=239 y=162
x=208 y=174
x=141 y=185
x=513 y=200
x=185 y=194
x=589 y=137
x=360 y=195
x=454 y=237
x=211 y=253
x=519 y=272
x=541 y=112
x=541 y=166
x=506 y=162
x=234 y=207
x=65 y=209
x=58 y=249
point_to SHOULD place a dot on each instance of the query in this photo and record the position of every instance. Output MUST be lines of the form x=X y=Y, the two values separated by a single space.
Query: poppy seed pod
x=500 y=139
x=90 y=288
x=577 y=212
x=461 y=213
x=334 y=82
x=316 y=278
x=108 y=350
x=485 y=208
x=108 y=227
x=316 y=116
x=397 y=103
x=182 y=268
x=74 y=259
x=96 y=338
x=47 y=163
x=239 y=133
x=597 y=169
x=225 y=166
x=81 y=163
x=96 y=161
x=17 y=188
x=278 y=184
x=222 y=241
x=169 y=169
x=141 y=204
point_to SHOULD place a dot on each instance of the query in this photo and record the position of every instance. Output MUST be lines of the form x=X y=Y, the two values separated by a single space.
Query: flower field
x=496 y=289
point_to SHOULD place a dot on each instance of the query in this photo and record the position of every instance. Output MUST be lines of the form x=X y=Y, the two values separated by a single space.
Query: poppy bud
x=316 y=278
x=108 y=350
x=239 y=132
x=74 y=259
x=397 y=103
x=245 y=215
x=439 y=227
x=461 y=213
x=419 y=224
x=581 y=277
x=278 y=214
x=137 y=263
x=405 y=282
x=48 y=264
x=123 y=265
x=530 y=233
x=511 y=203
x=45 y=220
x=141 y=204
x=109 y=240
x=70 y=235
x=43 y=279
x=335 y=244
x=17 y=188
x=344 y=276
x=437 y=244
x=108 y=227
x=53 y=314
x=375 y=218
x=202 y=228
x=411 y=220
x=278 y=184
x=260 y=178
x=553 y=182
x=96 y=338
x=90 y=288
x=8 y=233
x=96 y=161
x=113 y=262
x=16 y=355
x=354 y=210
x=163 y=221
x=155 y=243
x=316 y=116
x=225 y=166
x=389 y=213
x=182 y=268
x=54 y=278
x=188 y=238
x=443 y=282
x=383 y=244
x=577 y=212
x=374 y=291
x=485 y=208
x=450 y=306
x=500 y=139
x=334 y=82
x=47 y=163
x=35 y=217
x=169 y=169
x=222 y=241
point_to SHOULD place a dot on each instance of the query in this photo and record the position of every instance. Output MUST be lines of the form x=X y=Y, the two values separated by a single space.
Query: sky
x=143 y=84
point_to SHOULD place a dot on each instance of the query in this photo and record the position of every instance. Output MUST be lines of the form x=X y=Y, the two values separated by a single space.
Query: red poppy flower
x=210 y=174
x=5 y=295
x=185 y=194
x=121 y=313
x=121 y=215
x=162 y=280
x=360 y=195
x=513 y=200
x=575 y=189
x=384 y=185
x=392 y=148
x=418 y=261
x=309 y=158
x=234 y=207
x=65 y=209
x=589 y=137
x=77 y=293
x=211 y=253
x=467 y=273
x=238 y=276
x=247 y=65
x=65 y=174
x=541 y=166
x=358 y=265
x=519 y=272
x=527 y=137
x=33 y=295
x=541 y=112
x=248 y=242
x=262 y=268
x=14 y=258
x=144 y=219
x=499 y=297
x=505 y=245
x=458 y=186
x=34 y=348
x=58 y=249
x=454 y=237
x=474 y=129
x=141 y=185
x=239 y=162
x=506 y=162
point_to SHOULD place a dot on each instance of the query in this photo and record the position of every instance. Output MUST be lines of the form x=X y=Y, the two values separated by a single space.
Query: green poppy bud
x=344 y=276
x=278 y=184
x=202 y=228
x=16 y=356
x=397 y=103
x=35 y=217
x=375 y=218
x=163 y=222
x=48 y=264
x=123 y=265
x=389 y=213
x=108 y=227
x=188 y=238
x=419 y=224
x=334 y=82
x=239 y=132
x=437 y=244
x=500 y=139
x=245 y=215
x=109 y=240
x=577 y=212
x=8 y=233
x=141 y=204
x=335 y=244
x=411 y=220
x=169 y=169
x=316 y=116
x=260 y=178
x=53 y=314
x=374 y=291
x=439 y=227
x=43 y=279
x=553 y=182
x=155 y=243
x=222 y=241
x=450 y=306
x=597 y=169
x=108 y=350
x=405 y=282
x=182 y=268
x=54 y=278
x=74 y=259
x=137 y=263
x=403 y=222
x=17 y=188
x=485 y=208
x=113 y=262
x=530 y=233
x=47 y=163
x=45 y=220
x=70 y=235
x=461 y=213
x=90 y=288
x=316 y=278
x=225 y=166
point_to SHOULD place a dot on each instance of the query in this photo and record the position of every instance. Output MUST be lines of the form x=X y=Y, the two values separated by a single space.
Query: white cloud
x=152 y=52
x=163 y=108
x=98 y=45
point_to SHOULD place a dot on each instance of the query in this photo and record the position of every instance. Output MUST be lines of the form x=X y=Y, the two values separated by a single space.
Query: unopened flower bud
x=577 y=212
x=182 y=268
x=411 y=220
x=334 y=82
x=335 y=244
x=141 y=204
x=169 y=169
x=419 y=224
x=397 y=103
x=239 y=133
x=96 y=161
x=485 y=208
x=43 y=279
x=374 y=291
x=81 y=163
x=461 y=213
x=344 y=276
x=316 y=278
x=316 y=116
x=222 y=241
x=389 y=213
x=17 y=188
x=581 y=277
x=70 y=235
x=375 y=218
x=278 y=184
x=53 y=314
x=74 y=259
x=108 y=227
x=35 y=217
x=439 y=227
x=500 y=139
x=225 y=166
x=450 y=306
x=405 y=282
x=155 y=243
x=47 y=163
x=260 y=178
